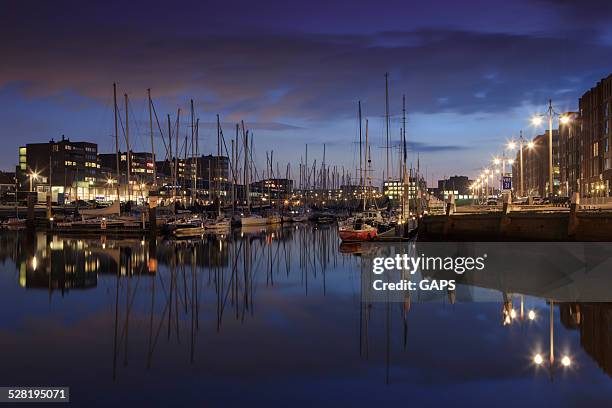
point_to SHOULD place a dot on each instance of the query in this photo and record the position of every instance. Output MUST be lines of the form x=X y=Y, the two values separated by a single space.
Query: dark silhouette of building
x=594 y=147
x=141 y=166
x=569 y=154
x=69 y=168
x=535 y=167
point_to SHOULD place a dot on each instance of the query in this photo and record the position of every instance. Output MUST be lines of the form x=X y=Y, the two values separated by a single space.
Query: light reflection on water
x=273 y=316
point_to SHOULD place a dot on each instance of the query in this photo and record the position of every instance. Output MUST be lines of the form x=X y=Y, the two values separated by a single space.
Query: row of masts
x=239 y=152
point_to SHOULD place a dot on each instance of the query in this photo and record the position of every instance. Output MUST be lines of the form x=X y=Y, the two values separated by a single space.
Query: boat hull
x=350 y=235
x=189 y=232
x=253 y=221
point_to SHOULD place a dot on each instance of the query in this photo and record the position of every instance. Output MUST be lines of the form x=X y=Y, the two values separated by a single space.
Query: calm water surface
x=273 y=317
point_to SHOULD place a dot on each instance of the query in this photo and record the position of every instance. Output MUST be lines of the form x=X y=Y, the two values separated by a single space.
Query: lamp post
x=522 y=180
x=566 y=120
x=33 y=176
x=537 y=120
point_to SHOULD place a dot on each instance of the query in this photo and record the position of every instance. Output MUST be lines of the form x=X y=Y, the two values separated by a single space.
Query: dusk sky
x=472 y=73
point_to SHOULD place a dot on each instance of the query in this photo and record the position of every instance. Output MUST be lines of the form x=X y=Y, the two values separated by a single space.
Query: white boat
x=100 y=212
x=274 y=219
x=219 y=223
x=251 y=220
x=14 y=223
x=300 y=218
x=185 y=232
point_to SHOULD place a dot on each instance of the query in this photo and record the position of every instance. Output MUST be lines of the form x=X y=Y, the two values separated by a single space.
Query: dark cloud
x=312 y=77
x=284 y=66
x=432 y=148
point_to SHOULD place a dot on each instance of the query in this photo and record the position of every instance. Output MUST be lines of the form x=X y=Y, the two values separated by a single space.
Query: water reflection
x=275 y=304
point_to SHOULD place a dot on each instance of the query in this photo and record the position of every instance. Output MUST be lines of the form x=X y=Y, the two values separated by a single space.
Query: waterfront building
x=459 y=186
x=595 y=157
x=569 y=154
x=7 y=182
x=271 y=189
x=535 y=167
x=394 y=189
x=141 y=166
x=69 y=169
x=213 y=175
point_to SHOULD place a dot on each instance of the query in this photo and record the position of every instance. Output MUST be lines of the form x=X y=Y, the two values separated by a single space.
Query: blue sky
x=294 y=71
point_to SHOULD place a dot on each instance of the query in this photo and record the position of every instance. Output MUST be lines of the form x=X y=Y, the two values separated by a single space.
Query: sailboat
x=188 y=228
x=252 y=220
x=364 y=225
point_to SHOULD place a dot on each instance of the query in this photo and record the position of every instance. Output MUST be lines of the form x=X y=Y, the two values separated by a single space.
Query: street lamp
x=537 y=120
x=566 y=120
x=33 y=176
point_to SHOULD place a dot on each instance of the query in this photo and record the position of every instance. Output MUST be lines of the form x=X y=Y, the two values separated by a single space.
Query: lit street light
x=566 y=361
x=536 y=120
x=537 y=359
x=33 y=176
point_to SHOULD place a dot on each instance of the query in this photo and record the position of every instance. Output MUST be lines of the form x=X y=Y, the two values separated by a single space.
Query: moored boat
x=219 y=223
x=252 y=220
x=356 y=230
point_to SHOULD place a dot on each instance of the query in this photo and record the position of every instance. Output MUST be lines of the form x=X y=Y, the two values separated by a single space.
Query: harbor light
x=530 y=145
x=531 y=315
x=513 y=314
x=537 y=359
x=511 y=146
x=536 y=120
x=510 y=161
x=496 y=161
x=565 y=120
x=566 y=361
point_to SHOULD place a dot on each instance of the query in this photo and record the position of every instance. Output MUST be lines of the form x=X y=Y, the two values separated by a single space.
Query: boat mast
x=387 y=121
x=152 y=143
x=360 y=152
x=116 y=142
x=170 y=164
x=245 y=136
x=365 y=198
x=127 y=143
x=194 y=172
x=176 y=158
x=217 y=171
x=197 y=157
x=405 y=188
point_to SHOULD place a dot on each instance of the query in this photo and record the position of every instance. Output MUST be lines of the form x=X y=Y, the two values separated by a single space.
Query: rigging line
x=137 y=135
x=227 y=153
x=159 y=127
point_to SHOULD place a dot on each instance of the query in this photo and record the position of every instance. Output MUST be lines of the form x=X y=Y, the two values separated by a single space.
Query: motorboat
x=356 y=229
x=219 y=223
x=14 y=223
x=274 y=219
x=252 y=220
x=189 y=228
